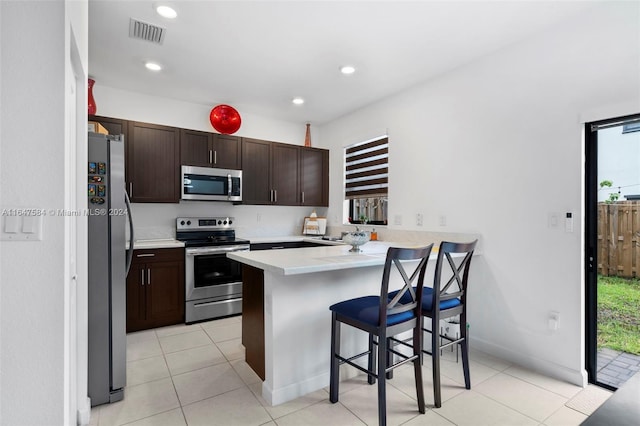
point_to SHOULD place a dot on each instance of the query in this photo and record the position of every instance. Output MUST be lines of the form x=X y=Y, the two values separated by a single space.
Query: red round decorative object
x=225 y=119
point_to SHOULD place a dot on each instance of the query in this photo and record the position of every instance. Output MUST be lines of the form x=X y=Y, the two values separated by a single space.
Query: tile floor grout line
x=540 y=387
x=175 y=389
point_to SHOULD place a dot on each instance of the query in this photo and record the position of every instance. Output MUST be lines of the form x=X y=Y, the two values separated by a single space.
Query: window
x=367 y=181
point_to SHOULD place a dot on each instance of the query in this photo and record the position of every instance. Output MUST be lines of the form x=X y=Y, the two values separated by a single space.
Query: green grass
x=619 y=314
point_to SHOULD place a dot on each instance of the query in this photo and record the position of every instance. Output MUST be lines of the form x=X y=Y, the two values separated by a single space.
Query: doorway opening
x=612 y=197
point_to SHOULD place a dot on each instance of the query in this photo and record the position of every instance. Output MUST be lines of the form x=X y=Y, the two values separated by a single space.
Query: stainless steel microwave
x=204 y=183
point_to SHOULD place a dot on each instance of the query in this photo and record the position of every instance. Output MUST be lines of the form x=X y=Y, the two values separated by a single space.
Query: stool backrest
x=407 y=298
x=459 y=272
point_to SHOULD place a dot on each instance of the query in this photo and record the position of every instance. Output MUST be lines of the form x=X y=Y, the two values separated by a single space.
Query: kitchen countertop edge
x=156 y=244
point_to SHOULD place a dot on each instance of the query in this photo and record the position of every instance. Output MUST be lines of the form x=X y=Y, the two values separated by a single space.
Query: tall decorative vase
x=92 y=102
x=307 y=137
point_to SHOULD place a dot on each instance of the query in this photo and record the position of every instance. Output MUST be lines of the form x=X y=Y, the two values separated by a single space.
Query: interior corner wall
x=32 y=89
x=157 y=220
x=495 y=147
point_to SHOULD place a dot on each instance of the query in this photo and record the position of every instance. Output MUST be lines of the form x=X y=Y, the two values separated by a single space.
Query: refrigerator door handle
x=132 y=238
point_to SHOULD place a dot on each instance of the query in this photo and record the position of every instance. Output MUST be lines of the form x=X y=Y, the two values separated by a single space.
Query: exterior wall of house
x=496 y=148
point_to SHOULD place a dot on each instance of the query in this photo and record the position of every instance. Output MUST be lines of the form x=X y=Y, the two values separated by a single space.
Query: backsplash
x=157 y=221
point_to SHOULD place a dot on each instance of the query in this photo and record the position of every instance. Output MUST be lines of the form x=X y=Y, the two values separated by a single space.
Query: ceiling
x=258 y=55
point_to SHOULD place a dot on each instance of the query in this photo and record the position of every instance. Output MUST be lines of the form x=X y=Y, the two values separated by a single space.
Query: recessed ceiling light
x=152 y=66
x=347 y=69
x=166 y=11
x=297 y=101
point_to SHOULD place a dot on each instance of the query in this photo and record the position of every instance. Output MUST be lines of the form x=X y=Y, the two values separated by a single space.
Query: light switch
x=32 y=225
x=12 y=224
x=24 y=225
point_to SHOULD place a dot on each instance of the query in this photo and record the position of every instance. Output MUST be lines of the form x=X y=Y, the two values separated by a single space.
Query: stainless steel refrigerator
x=109 y=261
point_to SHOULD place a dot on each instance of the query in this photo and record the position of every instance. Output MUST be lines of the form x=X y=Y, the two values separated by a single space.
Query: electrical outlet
x=442 y=220
x=419 y=218
x=397 y=219
x=553 y=322
x=258 y=217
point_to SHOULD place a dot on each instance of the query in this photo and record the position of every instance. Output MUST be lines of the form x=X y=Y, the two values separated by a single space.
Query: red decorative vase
x=92 y=102
x=307 y=137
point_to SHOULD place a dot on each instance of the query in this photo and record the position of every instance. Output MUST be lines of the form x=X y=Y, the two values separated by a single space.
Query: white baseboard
x=84 y=412
x=575 y=376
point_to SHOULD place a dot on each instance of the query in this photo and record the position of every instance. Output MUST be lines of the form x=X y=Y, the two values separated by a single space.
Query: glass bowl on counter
x=355 y=239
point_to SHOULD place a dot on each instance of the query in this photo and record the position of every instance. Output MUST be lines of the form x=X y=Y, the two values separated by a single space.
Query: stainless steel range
x=213 y=281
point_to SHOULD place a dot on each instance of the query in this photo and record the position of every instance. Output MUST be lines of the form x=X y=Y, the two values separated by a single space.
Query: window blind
x=367 y=169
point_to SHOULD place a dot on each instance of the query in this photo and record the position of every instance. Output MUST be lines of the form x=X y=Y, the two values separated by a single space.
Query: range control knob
x=182 y=222
x=188 y=222
x=230 y=222
x=225 y=222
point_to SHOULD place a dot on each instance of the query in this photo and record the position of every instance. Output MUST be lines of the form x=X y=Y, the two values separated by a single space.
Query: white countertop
x=316 y=259
x=156 y=244
x=291 y=238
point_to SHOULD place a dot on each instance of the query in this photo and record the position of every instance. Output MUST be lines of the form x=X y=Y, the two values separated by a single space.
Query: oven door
x=210 y=273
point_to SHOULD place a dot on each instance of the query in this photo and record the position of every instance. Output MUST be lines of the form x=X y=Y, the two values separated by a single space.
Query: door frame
x=591 y=243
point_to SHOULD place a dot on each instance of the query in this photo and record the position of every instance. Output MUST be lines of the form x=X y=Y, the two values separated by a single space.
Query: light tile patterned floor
x=196 y=375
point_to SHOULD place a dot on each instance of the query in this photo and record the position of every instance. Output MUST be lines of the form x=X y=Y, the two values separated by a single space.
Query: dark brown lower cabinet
x=155 y=289
x=253 y=317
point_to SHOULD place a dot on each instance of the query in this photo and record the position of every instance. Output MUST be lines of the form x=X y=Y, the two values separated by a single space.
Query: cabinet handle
x=271 y=195
x=142 y=276
x=145 y=255
x=302 y=197
x=210 y=157
x=215 y=157
x=275 y=195
x=149 y=276
x=130 y=189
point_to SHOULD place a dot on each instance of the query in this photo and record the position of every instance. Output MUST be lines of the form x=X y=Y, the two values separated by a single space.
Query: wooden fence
x=619 y=239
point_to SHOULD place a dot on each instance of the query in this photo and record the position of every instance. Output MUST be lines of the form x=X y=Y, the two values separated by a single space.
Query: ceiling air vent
x=145 y=31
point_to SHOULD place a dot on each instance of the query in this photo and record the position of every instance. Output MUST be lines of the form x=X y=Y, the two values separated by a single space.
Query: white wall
x=37 y=383
x=155 y=220
x=619 y=162
x=496 y=147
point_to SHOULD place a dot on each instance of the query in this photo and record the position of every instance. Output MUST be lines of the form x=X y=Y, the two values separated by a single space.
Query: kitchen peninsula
x=286 y=324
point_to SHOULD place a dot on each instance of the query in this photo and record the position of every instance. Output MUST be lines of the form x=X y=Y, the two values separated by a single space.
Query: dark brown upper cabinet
x=114 y=126
x=285 y=164
x=205 y=149
x=256 y=169
x=152 y=163
x=314 y=177
x=282 y=174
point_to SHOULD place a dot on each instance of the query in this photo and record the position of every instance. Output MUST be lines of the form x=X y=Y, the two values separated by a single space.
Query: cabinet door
x=256 y=188
x=314 y=177
x=195 y=148
x=114 y=126
x=227 y=152
x=136 y=302
x=152 y=170
x=284 y=174
x=165 y=293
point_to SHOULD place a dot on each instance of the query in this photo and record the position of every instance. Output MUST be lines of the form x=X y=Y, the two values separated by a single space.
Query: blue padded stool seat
x=427 y=300
x=367 y=310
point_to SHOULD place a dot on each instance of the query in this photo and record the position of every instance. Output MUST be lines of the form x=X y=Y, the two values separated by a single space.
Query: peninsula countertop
x=316 y=259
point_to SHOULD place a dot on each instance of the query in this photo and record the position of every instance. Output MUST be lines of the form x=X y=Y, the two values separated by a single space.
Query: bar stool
x=384 y=317
x=449 y=301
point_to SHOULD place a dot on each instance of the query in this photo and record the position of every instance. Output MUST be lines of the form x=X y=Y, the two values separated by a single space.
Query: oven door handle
x=195 y=251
